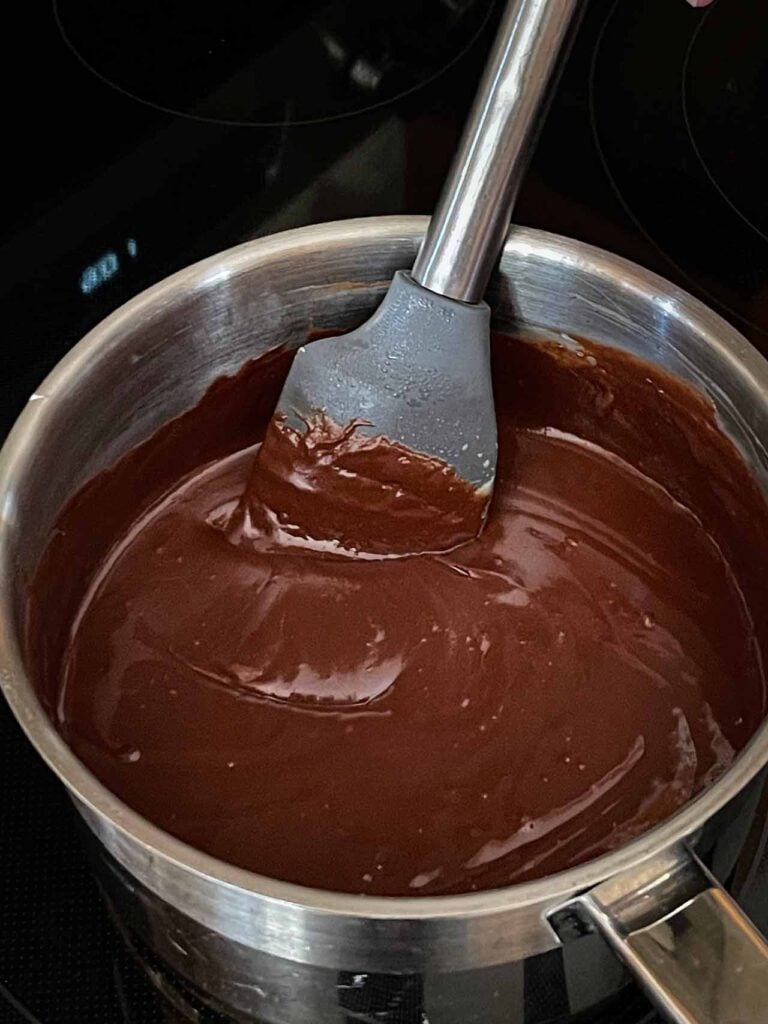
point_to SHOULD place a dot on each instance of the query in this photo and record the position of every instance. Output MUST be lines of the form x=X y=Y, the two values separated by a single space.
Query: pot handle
x=688 y=944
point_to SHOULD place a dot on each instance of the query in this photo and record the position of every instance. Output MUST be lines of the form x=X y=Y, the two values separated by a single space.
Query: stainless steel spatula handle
x=468 y=228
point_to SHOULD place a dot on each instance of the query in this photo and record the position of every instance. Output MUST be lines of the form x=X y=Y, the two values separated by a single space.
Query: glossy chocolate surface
x=427 y=724
x=362 y=495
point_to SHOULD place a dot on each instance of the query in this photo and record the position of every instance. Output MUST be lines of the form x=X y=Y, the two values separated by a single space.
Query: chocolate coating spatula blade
x=417 y=373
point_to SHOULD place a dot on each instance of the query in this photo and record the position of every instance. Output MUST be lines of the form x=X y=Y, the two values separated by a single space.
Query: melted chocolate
x=427 y=724
x=359 y=494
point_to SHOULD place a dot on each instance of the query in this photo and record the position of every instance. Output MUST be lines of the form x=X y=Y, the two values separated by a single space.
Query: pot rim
x=89 y=791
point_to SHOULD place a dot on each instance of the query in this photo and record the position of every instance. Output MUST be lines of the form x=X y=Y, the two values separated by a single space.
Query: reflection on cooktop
x=725 y=101
x=295 y=62
x=678 y=145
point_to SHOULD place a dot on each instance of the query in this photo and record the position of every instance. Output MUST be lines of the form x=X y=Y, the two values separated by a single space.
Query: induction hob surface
x=143 y=136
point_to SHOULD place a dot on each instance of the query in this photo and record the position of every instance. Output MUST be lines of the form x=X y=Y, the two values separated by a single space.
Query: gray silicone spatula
x=418 y=371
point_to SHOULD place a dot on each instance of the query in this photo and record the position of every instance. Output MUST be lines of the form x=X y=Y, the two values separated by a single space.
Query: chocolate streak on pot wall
x=430 y=724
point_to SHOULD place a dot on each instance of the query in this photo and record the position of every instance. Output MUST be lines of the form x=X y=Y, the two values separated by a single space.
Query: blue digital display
x=105 y=267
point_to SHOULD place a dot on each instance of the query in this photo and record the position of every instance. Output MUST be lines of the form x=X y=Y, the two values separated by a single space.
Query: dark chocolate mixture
x=426 y=724
x=359 y=494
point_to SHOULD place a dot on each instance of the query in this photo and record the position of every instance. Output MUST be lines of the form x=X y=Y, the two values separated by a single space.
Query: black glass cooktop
x=142 y=136
x=293 y=63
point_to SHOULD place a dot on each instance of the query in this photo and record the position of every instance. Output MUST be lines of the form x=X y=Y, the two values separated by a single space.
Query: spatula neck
x=469 y=226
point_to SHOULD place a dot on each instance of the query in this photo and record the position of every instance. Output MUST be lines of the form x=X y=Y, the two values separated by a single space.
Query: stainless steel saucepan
x=262 y=950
